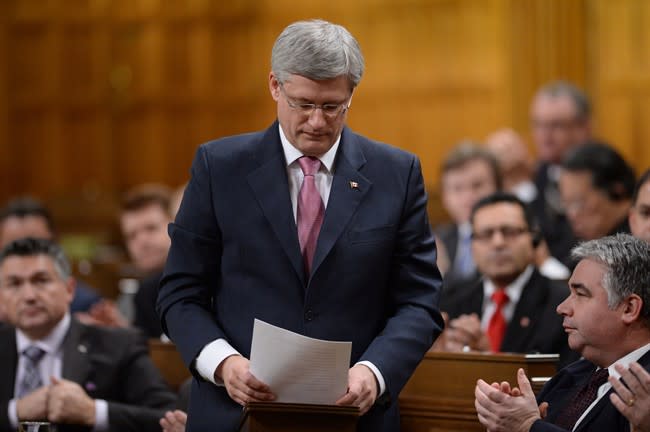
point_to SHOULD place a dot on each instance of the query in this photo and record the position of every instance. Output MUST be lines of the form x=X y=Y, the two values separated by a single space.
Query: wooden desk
x=440 y=394
x=169 y=362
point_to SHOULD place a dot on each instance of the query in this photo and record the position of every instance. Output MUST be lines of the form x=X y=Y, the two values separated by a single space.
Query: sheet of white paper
x=299 y=369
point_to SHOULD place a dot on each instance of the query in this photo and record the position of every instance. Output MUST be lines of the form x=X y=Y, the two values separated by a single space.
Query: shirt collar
x=464 y=229
x=513 y=290
x=627 y=359
x=291 y=154
x=51 y=343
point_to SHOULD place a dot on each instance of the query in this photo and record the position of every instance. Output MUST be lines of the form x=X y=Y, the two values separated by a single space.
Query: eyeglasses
x=507 y=232
x=329 y=110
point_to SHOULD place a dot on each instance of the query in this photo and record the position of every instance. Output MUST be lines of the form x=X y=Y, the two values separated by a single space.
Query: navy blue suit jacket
x=559 y=391
x=235 y=257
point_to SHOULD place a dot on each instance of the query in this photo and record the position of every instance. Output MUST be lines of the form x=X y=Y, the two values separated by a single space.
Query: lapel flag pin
x=354 y=185
x=524 y=322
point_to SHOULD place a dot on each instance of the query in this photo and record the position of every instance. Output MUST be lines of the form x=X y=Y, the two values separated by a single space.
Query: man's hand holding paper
x=362 y=388
x=240 y=383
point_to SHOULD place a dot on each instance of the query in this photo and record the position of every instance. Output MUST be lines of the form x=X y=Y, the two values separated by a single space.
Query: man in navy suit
x=607 y=318
x=237 y=253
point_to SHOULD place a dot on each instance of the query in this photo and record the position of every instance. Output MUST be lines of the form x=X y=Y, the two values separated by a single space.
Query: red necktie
x=497 y=326
x=310 y=211
x=581 y=401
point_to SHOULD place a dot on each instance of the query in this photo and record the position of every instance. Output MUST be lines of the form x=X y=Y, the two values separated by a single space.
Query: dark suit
x=84 y=298
x=553 y=223
x=560 y=390
x=110 y=364
x=235 y=257
x=146 y=317
x=453 y=281
x=535 y=325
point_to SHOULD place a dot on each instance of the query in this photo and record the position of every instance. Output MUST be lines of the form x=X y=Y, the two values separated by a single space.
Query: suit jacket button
x=309 y=315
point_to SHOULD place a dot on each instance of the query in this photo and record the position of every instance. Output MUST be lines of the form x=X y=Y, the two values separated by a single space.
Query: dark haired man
x=512 y=308
x=27 y=217
x=54 y=368
x=596 y=185
x=639 y=218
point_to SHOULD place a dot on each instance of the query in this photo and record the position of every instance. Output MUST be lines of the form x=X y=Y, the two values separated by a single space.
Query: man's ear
x=71 y=286
x=632 y=307
x=274 y=86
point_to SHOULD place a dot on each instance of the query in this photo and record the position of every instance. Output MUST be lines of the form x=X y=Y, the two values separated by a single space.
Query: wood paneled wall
x=99 y=95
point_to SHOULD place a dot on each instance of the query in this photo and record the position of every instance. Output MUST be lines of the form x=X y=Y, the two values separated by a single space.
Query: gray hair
x=627 y=259
x=578 y=97
x=27 y=247
x=317 y=50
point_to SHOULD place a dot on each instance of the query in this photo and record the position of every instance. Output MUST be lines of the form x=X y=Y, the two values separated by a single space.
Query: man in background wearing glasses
x=307 y=226
x=512 y=309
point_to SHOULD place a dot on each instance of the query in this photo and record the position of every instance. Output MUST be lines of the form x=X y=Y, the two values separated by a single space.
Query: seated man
x=144 y=218
x=469 y=173
x=513 y=307
x=639 y=217
x=26 y=217
x=607 y=317
x=54 y=368
x=596 y=186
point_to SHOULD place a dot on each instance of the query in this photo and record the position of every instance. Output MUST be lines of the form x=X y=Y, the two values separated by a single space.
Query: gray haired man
x=607 y=319
x=307 y=226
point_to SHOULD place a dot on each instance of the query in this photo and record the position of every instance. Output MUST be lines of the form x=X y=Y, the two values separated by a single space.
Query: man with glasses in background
x=512 y=309
x=596 y=186
x=298 y=226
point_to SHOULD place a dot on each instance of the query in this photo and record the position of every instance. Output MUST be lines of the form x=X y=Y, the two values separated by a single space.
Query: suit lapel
x=605 y=402
x=8 y=361
x=76 y=363
x=345 y=195
x=526 y=314
x=271 y=189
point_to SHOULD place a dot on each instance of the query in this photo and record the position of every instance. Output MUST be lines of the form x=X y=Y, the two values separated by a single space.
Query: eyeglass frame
x=307 y=109
x=507 y=232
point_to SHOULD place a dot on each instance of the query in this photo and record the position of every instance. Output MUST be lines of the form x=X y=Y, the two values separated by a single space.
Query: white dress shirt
x=51 y=365
x=217 y=351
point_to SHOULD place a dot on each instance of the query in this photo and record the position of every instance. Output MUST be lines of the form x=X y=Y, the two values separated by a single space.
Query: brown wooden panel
x=5 y=152
x=156 y=78
x=31 y=77
x=36 y=166
x=139 y=147
x=86 y=143
x=620 y=62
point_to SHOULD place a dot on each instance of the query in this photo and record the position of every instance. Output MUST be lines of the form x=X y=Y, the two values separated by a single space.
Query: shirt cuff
x=211 y=357
x=378 y=375
x=13 y=414
x=101 y=415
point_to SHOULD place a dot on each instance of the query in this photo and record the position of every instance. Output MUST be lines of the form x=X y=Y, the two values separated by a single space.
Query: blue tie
x=32 y=377
x=464 y=262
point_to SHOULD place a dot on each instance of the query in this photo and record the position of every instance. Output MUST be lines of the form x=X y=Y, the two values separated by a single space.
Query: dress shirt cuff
x=13 y=414
x=380 y=378
x=211 y=357
x=101 y=415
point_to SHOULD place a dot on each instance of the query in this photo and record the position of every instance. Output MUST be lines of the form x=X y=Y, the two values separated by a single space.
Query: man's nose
x=317 y=118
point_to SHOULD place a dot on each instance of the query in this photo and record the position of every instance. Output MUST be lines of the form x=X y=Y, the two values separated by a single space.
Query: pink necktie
x=310 y=211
